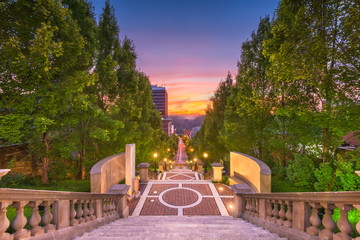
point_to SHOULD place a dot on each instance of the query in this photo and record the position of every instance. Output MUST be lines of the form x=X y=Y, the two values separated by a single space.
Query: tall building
x=160 y=98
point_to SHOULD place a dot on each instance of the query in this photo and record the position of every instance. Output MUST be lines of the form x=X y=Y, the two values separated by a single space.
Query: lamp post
x=195 y=160
x=165 y=159
x=205 y=156
x=155 y=156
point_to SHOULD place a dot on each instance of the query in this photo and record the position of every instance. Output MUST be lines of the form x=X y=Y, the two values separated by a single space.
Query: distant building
x=160 y=98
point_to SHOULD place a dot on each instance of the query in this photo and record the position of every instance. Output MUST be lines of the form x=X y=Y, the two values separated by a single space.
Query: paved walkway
x=181 y=193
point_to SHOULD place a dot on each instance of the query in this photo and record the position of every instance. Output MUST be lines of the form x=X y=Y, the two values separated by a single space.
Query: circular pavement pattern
x=180 y=197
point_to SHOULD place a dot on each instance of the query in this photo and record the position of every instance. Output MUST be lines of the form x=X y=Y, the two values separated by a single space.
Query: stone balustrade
x=57 y=215
x=296 y=215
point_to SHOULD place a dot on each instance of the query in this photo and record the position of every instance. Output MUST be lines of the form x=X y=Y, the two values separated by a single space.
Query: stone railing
x=297 y=215
x=57 y=215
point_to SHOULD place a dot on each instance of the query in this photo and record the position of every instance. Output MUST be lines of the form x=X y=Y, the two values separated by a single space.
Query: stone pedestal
x=168 y=167
x=192 y=167
x=161 y=166
x=144 y=172
x=217 y=171
x=130 y=166
x=200 y=166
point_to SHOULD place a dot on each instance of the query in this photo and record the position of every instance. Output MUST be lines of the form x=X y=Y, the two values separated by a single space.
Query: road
x=180 y=157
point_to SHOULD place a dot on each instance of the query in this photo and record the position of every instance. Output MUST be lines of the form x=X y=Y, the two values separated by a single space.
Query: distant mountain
x=185 y=122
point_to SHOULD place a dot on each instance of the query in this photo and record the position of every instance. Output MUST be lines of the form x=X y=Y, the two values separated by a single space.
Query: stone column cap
x=119 y=189
x=217 y=165
x=143 y=165
x=161 y=163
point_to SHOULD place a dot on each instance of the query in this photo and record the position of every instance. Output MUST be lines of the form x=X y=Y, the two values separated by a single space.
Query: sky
x=188 y=46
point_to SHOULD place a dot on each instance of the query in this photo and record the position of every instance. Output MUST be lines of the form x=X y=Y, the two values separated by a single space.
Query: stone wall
x=107 y=172
x=24 y=163
x=251 y=171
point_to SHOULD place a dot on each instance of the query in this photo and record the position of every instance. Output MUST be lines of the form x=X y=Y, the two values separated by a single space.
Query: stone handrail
x=63 y=215
x=251 y=171
x=296 y=215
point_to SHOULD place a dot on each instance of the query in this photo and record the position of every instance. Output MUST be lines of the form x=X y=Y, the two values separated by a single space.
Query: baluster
x=106 y=207
x=256 y=208
x=288 y=222
x=114 y=205
x=73 y=220
x=275 y=211
x=268 y=210
x=250 y=207
x=247 y=206
x=47 y=217
x=111 y=207
x=343 y=223
x=314 y=219
x=4 y=221
x=79 y=212
x=91 y=210
x=86 y=211
x=328 y=222
x=281 y=213
x=20 y=221
x=35 y=219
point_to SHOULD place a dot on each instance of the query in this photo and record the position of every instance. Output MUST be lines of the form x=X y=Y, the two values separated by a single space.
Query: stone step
x=182 y=228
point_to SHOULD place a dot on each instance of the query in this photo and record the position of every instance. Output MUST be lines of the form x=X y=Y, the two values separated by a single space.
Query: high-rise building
x=160 y=98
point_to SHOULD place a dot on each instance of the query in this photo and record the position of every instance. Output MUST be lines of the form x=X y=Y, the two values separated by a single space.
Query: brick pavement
x=183 y=197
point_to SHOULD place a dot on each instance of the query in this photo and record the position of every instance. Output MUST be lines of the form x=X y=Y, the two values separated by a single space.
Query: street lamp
x=195 y=160
x=168 y=149
x=155 y=156
x=205 y=156
x=165 y=159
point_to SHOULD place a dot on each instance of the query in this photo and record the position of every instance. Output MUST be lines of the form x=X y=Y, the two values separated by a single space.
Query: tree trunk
x=45 y=159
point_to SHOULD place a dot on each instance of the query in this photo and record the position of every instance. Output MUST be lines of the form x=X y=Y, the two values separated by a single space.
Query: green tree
x=41 y=72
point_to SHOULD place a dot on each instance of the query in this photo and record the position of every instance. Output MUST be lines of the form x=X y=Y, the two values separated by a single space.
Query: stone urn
x=3 y=172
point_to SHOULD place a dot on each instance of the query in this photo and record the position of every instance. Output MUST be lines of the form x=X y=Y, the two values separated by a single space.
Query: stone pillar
x=122 y=206
x=161 y=166
x=217 y=171
x=200 y=166
x=61 y=214
x=301 y=215
x=144 y=172
x=130 y=166
x=193 y=167
x=168 y=167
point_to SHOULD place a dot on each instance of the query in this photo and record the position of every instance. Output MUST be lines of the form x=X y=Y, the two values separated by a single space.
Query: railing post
x=239 y=206
x=301 y=214
x=61 y=213
x=144 y=172
x=99 y=208
x=262 y=208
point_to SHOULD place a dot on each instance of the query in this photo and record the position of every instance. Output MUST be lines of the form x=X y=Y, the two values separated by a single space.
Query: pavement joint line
x=180 y=185
x=142 y=200
x=225 y=196
x=219 y=202
x=180 y=212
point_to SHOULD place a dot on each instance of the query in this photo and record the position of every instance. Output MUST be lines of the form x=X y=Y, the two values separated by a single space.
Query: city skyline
x=188 y=46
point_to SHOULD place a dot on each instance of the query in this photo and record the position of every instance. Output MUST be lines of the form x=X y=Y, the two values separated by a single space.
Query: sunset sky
x=188 y=45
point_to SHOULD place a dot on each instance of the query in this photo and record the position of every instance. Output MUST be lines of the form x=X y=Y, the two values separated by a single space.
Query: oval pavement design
x=189 y=197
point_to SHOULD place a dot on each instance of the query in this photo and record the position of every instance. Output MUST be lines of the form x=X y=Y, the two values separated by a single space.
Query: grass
x=66 y=185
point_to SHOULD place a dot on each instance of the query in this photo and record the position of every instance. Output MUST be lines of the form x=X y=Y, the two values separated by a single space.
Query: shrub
x=301 y=171
x=12 y=180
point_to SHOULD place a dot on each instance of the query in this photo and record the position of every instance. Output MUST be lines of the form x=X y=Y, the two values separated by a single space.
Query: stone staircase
x=174 y=227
